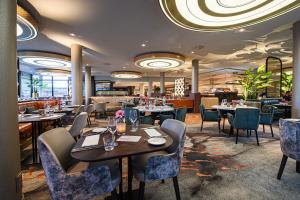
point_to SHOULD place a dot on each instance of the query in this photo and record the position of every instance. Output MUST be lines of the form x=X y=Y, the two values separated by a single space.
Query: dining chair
x=89 y=110
x=289 y=133
x=266 y=117
x=180 y=114
x=246 y=119
x=69 y=179
x=210 y=116
x=100 y=108
x=163 y=164
x=147 y=120
x=79 y=110
x=79 y=123
x=163 y=117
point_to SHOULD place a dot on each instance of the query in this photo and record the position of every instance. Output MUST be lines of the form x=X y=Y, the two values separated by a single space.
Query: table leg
x=129 y=178
x=121 y=180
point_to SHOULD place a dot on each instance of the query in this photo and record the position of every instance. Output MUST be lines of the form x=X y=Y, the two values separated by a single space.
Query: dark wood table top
x=124 y=149
x=36 y=117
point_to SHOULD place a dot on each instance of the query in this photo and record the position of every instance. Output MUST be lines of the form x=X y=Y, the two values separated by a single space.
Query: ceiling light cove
x=221 y=15
x=26 y=25
x=126 y=74
x=159 y=60
x=45 y=60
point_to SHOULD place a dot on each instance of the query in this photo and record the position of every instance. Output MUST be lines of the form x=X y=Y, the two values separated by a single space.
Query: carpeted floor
x=214 y=167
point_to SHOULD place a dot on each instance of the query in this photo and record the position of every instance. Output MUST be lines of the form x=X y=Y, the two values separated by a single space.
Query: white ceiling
x=112 y=32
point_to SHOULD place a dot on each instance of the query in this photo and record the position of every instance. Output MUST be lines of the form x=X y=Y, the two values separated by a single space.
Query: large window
x=60 y=86
x=25 y=85
x=45 y=86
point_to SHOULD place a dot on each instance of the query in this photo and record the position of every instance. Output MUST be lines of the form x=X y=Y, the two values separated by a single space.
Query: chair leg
x=141 y=190
x=271 y=130
x=263 y=128
x=201 y=125
x=237 y=136
x=282 y=165
x=247 y=133
x=298 y=166
x=219 y=125
x=256 y=137
x=176 y=187
x=114 y=194
x=223 y=123
x=163 y=181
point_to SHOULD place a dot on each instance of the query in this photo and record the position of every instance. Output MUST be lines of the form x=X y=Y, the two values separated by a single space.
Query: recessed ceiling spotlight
x=124 y=67
x=222 y=15
x=72 y=34
x=192 y=52
x=143 y=45
x=242 y=30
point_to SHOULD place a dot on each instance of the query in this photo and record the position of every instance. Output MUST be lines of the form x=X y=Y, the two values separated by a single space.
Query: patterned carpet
x=214 y=167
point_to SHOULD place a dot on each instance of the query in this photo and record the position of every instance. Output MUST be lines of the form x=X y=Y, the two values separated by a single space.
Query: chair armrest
x=162 y=166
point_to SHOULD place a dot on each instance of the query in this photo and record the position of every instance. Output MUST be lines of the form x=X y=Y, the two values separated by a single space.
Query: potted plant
x=35 y=85
x=255 y=80
x=286 y=82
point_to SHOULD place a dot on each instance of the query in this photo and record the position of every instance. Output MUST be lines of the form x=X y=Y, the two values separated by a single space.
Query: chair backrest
x=208 y=102
x=79 y=123
x=147 y=120
x=79 y=110
x=181 y=114
x=54 y=148
x=127 y=112
x=89 y=109
x=163 y=117
x=246 y=118
x=289 y=133
x=100 y=107
x=176 y=130
x=202 y=110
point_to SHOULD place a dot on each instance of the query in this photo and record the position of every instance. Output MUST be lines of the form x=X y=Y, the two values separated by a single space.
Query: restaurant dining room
x=150 y=99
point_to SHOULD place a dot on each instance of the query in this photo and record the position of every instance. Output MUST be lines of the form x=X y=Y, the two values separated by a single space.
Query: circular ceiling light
x=159 y=60
x=44 y=59
x=53 y=72
x=26 y=25
x=221 y=15
x=126 y=74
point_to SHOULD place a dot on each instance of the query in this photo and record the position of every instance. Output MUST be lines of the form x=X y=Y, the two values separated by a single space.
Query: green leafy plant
x=36 y=85
x=254 y=81
x=286 y=82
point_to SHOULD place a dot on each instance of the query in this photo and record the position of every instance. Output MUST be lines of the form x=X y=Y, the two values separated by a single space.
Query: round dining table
x=229 y=108
x=123 y=150
x=154 y=109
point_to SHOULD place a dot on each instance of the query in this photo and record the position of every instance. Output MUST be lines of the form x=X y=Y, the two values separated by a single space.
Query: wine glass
x=133 y=116
x=22 y=111
x=112 y=127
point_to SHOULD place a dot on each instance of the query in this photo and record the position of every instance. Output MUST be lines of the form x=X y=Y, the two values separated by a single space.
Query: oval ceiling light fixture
x=159 y=60
x=44 y=59
x=26 y=25
x=126 y=74
x=221 y=15
x=53 y=72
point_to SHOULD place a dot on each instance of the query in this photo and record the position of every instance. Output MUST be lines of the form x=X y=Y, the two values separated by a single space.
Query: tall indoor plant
x=254 y=80
x=286 y=82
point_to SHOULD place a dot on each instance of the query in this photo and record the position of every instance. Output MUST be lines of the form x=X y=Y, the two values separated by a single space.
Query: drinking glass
x=22 y=111
x=133 y=116
x=108 y=141
x=112 y=127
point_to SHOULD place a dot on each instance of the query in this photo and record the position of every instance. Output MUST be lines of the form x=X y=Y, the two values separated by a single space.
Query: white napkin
x=152 y=132
x=129 y=138
x=90 y=140
x=99 y=130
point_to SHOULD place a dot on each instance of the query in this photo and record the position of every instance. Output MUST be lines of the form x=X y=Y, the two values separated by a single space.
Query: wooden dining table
x=123 y=150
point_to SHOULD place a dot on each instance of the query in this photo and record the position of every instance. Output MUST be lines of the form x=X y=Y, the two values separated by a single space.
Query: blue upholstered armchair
x=289 y=132
x=266 y=117
x=163 y=164
x=69 y=179
x=246 y=119
x=209 y=115
x=180 y=114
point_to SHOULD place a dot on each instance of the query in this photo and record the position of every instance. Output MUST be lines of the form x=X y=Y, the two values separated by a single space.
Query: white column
x=195 y=71
x=162 y=82
x=141 y=85
x=76 y=74
x=9 y=135
x=296 y=71
x=150 y=86
x=88 y=84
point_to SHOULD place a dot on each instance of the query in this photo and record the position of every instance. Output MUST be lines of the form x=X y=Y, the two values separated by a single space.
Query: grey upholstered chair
x=70 y=179
x=163 y=164
x=89 y=110
x=100 y=108
x=289 y=133
x=79 y=123
x=79 y=110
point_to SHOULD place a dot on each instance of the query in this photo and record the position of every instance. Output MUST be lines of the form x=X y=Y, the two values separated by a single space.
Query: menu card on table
x=152 y=132
x=128 y=138
x=90 y=140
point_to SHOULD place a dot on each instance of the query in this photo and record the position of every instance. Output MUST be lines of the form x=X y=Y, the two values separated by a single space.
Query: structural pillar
x=88 y=84
x=162 y=82
x=76 y=74
x=195 y=85
x=150 y=87
x=296 y=71
x=10 y=167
